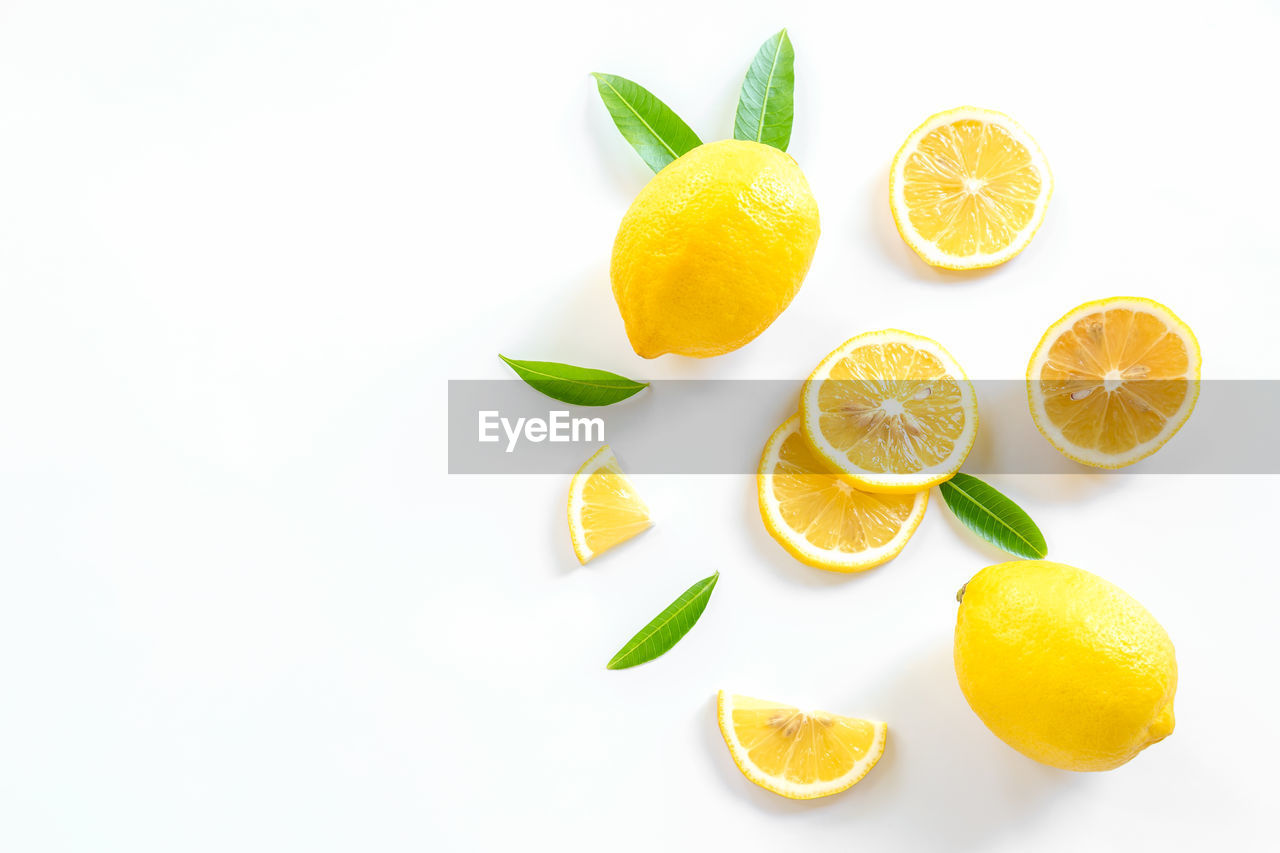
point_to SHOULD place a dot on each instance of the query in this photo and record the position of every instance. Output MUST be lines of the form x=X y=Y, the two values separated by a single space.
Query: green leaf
x=658 y=134
x=766 y=103
x=667 y=627
x=578 y=386
x=993 y=516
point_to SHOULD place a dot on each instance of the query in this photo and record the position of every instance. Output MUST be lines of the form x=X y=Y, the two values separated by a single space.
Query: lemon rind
x=928 y=251
x=602 y=458
x=802 y=549
x=1090 y=456
x=872 y=481
x=793 y=790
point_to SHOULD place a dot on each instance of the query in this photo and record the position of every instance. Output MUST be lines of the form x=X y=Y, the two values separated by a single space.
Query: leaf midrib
x=620 y=656
x=648 y=126
x=1030 y=545
x=516 y=365
x=768 y=86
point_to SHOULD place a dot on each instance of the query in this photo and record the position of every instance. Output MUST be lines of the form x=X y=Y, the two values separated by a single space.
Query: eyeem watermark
x=717 y=427
x=556 y=427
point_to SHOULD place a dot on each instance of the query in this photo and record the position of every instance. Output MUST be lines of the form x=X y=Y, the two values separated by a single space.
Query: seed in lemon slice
x=1113 y=380
x=969 y=188
x=822 y=520
x=890 y=411
x=604 y=508
x=798 y=754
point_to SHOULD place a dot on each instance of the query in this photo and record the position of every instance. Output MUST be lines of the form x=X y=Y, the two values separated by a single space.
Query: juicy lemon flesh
x=612 y=512
x=970 y=188
x=823 y=509
x=802 y=748
x=891 y=408
x=1114 y=378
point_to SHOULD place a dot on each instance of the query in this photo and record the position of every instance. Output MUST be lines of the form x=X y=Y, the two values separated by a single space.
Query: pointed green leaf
x=766 y=103
x=667 y=627
x=658 y=134
x=578 y=386
x=993 y=516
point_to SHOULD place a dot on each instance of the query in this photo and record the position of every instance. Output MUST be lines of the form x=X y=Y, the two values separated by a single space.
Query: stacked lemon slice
x=843 y=484
x=820 y=518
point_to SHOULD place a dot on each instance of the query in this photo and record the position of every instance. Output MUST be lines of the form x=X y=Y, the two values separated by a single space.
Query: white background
x=243 y=245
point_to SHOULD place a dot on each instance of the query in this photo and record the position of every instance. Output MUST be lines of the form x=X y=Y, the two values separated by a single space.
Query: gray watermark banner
x=720 y=427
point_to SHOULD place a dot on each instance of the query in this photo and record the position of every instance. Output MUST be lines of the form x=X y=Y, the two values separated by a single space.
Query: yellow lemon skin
x=713 y=249
x=1064 y=666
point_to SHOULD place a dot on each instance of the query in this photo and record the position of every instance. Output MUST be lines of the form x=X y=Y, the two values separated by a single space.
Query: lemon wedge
x=969 y=188
x=798 y=754
x=822 y=520
x=604 y=507
x=1113 y=380
x=890 y=411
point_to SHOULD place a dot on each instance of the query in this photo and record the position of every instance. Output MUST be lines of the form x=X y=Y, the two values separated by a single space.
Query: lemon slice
x=798 y=754
x=604 y=508
x=822 y=520
x=969 y=188
x=1113 y=380
x=890 y=411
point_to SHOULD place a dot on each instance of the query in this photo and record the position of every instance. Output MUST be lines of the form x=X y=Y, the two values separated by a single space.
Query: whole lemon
x=713 y=249
x=1063 y=666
